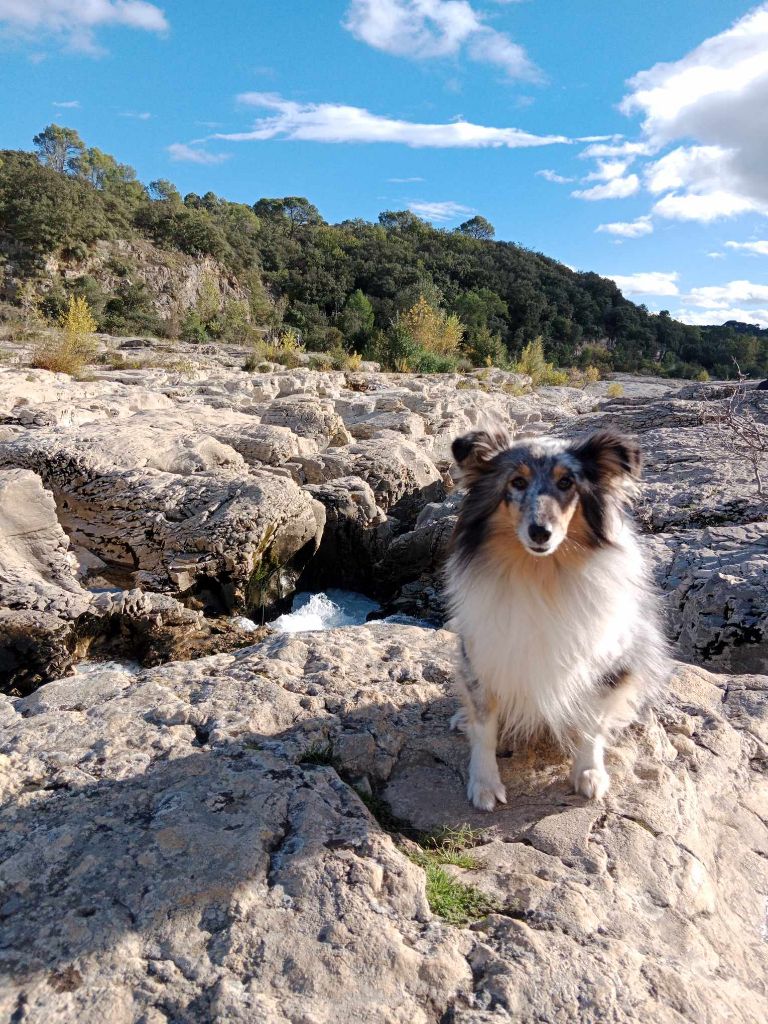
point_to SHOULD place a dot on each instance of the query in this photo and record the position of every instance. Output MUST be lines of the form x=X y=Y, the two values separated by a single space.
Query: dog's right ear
x=474 y=451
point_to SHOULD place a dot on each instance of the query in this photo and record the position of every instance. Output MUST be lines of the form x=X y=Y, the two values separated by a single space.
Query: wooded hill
x=342 y=286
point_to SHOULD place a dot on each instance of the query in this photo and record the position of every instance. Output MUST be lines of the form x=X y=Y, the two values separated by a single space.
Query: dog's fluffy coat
x=549 y=593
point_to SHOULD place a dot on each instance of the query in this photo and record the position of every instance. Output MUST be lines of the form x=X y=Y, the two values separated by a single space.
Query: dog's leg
x=589 y=776
x=485 y=786
x=617 y=708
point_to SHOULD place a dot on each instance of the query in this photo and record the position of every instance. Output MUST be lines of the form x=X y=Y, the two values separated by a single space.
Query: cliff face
x=175 y=281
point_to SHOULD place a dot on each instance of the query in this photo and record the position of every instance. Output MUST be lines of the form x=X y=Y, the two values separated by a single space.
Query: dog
x=549 y=592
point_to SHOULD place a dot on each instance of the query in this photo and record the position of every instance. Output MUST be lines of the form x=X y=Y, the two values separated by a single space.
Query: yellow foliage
x=432 y=329
x=74 y=346
x=614 y=390
x=533 y=363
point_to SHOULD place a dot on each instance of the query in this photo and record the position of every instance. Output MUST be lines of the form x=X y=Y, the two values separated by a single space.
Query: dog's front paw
x=592 y=783
x=458 y=722
x=483 y=792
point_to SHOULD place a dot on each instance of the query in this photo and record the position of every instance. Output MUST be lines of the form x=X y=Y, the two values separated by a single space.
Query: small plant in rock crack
x=320 y=753
x=448 y=897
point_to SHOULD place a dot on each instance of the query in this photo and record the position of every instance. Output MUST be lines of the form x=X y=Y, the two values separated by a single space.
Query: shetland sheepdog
x=549 y=592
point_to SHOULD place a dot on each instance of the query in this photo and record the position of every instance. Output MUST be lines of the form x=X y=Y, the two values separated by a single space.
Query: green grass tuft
x=454 y=901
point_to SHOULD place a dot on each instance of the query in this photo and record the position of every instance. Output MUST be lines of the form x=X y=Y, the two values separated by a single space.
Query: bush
x=615 y=390
x=74 y=346
x=193 y=327
x=533 y=363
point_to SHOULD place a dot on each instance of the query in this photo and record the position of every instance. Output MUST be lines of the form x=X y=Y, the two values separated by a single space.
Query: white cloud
x=403 y=181
x=722 y=314
x=334 y=122
x=429 y=29
x=553 y=176
x=77 y=20
x=651 y=283
x=712 y=104
x=180 y=151
x=608 y=170
x=628 y=229
x=67 y=104
x=616 y=188
x=743 y=293
x=702 y=208
x=137 y=115
x=439 y=211
x=716 y=255
x=758 y=248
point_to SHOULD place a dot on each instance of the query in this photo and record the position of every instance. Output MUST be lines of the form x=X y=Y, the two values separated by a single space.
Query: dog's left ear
x=609 y=459
x=473 y=452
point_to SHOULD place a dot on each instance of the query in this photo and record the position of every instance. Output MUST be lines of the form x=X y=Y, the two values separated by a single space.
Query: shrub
x=432 y=329
x=193 y=328
x=702 y=376
x=533 y=363
x=74 y=345
x=615 y=390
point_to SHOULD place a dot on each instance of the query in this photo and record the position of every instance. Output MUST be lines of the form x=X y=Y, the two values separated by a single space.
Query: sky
x=628 y=138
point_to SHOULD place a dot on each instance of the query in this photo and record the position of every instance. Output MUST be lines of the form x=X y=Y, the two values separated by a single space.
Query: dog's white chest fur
x=540 y=651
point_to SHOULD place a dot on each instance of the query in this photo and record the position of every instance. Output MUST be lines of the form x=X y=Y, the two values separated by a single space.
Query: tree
x=357 y=318
x=58 y=147
x=164 y=191
x=477 y=227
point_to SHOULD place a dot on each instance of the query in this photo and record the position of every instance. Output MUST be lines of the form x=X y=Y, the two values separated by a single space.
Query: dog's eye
x=518 y=483
x=565 y=483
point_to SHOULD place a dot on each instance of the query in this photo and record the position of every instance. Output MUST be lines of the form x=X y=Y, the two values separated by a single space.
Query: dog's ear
x=609 y=459
x=474 y=451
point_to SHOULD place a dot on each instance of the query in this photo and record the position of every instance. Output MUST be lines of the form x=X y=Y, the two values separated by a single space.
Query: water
x=328 y=610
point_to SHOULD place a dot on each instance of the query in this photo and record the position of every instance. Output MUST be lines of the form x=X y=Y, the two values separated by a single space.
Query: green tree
x=477 y=227
x=58 y=147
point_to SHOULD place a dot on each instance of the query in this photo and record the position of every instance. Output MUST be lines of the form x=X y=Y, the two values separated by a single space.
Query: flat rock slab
x=172 y=851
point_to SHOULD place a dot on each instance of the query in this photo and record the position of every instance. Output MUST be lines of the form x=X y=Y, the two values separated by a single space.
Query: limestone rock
x=172 y=849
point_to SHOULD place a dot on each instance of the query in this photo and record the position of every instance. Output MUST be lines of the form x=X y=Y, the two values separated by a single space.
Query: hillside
x=73 y=220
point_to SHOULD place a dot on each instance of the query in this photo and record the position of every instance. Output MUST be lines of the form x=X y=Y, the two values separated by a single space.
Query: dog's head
x=540 y=490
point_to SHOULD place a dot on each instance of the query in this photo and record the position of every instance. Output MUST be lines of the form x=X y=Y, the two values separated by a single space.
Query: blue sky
x=628 y=138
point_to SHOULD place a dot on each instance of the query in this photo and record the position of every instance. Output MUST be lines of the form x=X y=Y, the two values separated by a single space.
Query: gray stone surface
x=169 y=855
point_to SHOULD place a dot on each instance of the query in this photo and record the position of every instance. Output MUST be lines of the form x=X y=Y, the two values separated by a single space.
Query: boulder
x=40 y=596
x=184 y=844
x=232 y=542
x=715 y=583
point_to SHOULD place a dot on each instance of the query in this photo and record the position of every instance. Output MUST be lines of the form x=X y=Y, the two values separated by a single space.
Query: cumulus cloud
x=722 y=314
x=743 y=293
x=757 y=248
x=615 y=188
x=711 y=105
x=335 y=122
x=429 y=29
x=77 y=20
x=185 y=153
x=736 y=300
x=553 y=176
x=439 y=211
x=651 y=283
x=628 y=229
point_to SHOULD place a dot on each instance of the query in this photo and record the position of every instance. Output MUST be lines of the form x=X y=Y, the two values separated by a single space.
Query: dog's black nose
x=539 y=534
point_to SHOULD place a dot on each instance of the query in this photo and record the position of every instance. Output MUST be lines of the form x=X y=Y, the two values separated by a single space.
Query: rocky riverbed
x=229 y=825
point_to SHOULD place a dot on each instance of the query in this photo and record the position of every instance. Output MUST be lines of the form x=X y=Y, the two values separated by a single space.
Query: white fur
x=538 y=655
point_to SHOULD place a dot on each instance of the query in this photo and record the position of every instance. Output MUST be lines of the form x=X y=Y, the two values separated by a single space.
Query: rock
x=232 y=542
x=354 y=537
x=311 y=417
x=39 y=595
x=401 y=476
x=716 y=594
x=410 y=573
x=152 y=629
x=174 y=846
